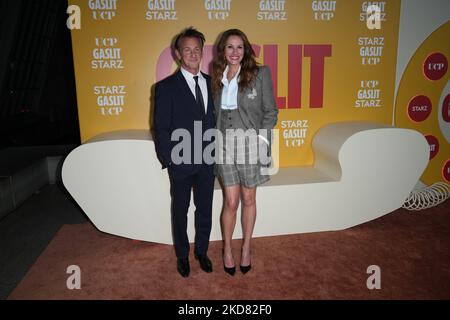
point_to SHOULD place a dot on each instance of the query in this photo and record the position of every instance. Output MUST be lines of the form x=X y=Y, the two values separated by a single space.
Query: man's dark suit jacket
x=176 y=108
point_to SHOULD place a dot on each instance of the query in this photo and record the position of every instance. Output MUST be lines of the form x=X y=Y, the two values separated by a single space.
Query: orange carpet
x=411 y=249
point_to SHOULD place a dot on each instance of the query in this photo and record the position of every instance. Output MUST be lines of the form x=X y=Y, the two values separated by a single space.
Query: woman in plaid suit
x=245 y=113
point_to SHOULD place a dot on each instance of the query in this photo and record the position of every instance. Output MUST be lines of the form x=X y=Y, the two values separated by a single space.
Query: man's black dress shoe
x=183 y=267
x=205 y=263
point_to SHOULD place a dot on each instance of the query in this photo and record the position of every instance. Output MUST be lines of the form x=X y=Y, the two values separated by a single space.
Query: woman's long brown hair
x=249 y=67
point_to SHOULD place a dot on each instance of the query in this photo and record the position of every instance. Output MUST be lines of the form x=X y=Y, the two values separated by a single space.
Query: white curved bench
x=361 y=172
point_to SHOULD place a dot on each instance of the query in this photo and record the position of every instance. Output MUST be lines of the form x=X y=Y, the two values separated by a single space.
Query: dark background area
x=37 y=84
x=38 y=128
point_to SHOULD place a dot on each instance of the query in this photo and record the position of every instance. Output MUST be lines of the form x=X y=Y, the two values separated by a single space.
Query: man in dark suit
x=183 y=103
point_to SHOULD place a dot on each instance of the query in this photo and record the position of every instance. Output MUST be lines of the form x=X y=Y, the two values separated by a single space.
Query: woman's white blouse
x=230 y=91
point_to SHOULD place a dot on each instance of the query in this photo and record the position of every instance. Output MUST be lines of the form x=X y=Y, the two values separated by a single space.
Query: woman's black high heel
x=231 y=271
x=245 y=269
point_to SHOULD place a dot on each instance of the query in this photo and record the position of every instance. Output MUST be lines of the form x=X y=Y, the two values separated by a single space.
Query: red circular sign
x=446 y=171
x=435 y=66
x=433 y=142
x=446 y=109
x=419 y=108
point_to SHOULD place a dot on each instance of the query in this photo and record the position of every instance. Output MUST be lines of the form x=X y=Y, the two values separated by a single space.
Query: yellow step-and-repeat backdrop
x=327 y=64
x=423 y=101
